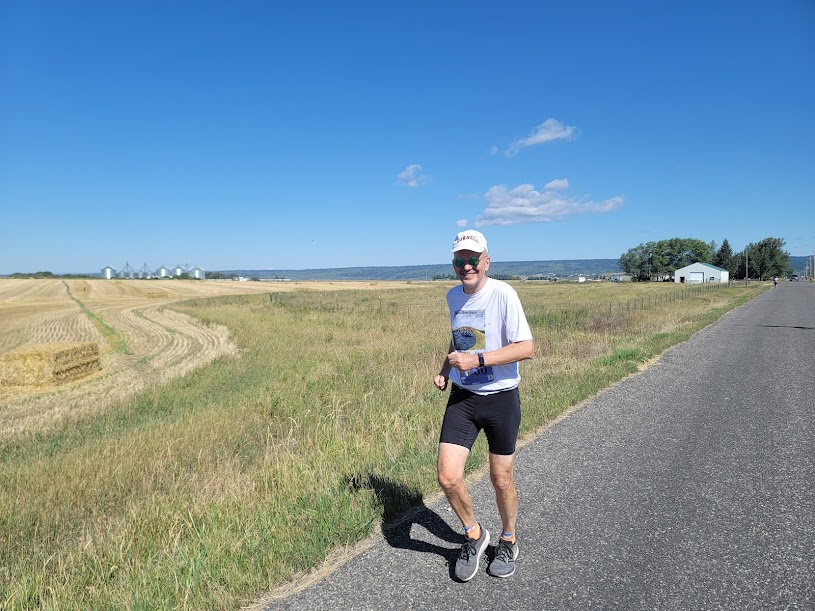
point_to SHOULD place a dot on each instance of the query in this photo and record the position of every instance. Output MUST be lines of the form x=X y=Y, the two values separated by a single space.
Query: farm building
x=699 y=273
x=126 y=271
x=109 y=272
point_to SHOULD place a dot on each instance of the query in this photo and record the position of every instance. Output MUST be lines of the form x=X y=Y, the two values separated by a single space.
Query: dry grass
x=160 y=343
x=205 y=490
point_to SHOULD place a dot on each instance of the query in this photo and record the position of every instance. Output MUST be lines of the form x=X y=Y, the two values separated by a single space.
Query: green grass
x=111 y=335
x=206 y=491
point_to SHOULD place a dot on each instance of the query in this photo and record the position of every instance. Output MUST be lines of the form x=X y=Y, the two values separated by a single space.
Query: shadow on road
x=404 y=507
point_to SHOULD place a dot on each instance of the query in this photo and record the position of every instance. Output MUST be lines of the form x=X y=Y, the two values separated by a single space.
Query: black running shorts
x=498 y=414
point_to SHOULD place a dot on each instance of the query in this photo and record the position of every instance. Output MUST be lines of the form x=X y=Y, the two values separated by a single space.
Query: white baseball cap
x=470 y=240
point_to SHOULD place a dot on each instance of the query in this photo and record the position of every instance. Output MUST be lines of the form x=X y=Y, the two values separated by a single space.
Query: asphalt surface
x=688 y=486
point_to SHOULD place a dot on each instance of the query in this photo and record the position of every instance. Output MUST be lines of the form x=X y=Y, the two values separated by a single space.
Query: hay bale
x=46 y=364
x=156 y=295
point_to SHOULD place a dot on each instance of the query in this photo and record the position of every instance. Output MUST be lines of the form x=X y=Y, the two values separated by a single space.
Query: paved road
x=689 y=486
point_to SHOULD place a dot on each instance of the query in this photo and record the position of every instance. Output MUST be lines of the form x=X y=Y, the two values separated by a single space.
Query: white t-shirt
x=487 y=320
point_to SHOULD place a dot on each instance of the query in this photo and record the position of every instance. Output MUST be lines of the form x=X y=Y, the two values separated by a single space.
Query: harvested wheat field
x=125 y=325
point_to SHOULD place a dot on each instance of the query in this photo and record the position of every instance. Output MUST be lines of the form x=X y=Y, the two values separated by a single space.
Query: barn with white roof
x=700 y=273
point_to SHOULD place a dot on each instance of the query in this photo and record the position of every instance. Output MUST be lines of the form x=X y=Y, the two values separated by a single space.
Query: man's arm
x=441 y=378
x=511 y=353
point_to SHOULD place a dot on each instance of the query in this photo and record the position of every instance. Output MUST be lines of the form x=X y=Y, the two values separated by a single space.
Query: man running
x=490 y=336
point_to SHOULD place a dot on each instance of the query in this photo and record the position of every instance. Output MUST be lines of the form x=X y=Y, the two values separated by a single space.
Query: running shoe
x=503 y=565
x=470 y=555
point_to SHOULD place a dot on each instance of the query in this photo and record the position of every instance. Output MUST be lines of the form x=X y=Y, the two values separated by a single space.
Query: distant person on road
x=490 y=336
x=775 y=282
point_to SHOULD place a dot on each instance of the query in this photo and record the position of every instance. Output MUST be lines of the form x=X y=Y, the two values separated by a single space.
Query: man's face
x=472 y=277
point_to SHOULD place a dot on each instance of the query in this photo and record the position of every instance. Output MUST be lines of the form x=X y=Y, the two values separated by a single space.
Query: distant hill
x=561 y=269
x=799 y=265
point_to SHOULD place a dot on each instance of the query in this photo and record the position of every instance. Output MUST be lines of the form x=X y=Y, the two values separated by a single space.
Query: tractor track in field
x=159 y=344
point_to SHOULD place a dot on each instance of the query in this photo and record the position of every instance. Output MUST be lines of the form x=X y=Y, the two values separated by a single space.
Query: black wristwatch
x=481 y=361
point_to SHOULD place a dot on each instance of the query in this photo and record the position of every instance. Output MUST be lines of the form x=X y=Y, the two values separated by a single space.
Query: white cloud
x=559 y=184
x=523 y=204
x=461 y=223
x=411 y=176
x=549 y=130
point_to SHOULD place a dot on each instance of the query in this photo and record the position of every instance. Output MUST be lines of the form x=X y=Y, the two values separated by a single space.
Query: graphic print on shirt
x=469 y=335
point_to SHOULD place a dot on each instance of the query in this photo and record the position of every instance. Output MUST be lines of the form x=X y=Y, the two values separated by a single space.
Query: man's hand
x=440 y=381
x=463 y=361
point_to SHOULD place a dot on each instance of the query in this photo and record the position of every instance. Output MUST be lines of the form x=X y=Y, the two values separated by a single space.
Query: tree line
x=41 y=275
x=659 y=260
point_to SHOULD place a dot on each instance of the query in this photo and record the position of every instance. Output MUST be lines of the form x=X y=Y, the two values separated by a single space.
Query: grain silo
x=198 y=272
x=108 y=272
x=127 y=271
x=163 y=272
x=178 y=270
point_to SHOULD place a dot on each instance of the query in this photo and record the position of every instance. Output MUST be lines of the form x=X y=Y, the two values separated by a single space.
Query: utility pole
x=746 y=266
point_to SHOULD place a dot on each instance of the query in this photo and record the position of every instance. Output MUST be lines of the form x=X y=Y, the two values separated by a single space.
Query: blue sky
x=292 y=135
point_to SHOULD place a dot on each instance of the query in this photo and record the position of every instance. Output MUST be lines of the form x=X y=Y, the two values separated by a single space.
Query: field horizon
x=562 y=268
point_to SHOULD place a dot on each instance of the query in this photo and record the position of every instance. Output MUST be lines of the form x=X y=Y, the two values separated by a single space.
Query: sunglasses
x=472 y=261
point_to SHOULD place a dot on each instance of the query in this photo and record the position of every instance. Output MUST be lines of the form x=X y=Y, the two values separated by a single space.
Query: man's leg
x=506 y=495
x=452 y=459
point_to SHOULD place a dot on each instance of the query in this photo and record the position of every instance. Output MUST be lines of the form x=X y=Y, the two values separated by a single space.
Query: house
x=699 y=273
